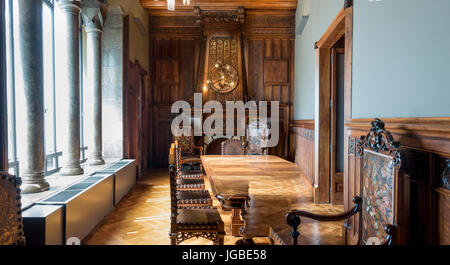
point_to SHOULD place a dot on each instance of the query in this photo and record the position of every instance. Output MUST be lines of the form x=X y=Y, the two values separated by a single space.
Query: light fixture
x=186 y=2
x=171 y=5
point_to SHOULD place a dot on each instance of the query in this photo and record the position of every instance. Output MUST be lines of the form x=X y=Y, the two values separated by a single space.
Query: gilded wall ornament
x=222 y=78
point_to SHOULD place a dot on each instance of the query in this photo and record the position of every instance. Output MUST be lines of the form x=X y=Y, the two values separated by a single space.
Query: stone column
x=69 y=72
x=93 y=21
x=30 y=98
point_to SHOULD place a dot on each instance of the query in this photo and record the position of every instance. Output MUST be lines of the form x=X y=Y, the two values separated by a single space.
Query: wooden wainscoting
x=301 y=149
x=423 y=198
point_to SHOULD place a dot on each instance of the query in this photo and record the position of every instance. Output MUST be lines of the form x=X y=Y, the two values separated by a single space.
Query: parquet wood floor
x=142 y=217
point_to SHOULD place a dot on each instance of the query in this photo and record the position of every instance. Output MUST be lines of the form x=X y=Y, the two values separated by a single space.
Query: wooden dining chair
x=233 y=147
x=189 y=197
x=377 y=205
x=187 y=179
x=11 y=227
x=190 y=222
x=189 y=153
x=256 y=138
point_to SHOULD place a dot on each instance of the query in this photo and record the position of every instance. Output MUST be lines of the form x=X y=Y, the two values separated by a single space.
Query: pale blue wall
x=322 y=14
x=401 y=58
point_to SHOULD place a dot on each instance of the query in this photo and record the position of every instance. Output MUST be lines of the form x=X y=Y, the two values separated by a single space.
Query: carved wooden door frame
x=341 y=26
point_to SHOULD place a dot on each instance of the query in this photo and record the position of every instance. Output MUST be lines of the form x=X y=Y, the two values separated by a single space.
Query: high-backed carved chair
x=190 y=197
x=11 y=227
x=215 y=146
x=377 y=204
x=233 y=147
x=189 y=153
x=256 y=139
x=189 y=222
x=187 y=179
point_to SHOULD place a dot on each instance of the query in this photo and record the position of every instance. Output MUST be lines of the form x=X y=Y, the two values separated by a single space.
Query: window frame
x=14 y=161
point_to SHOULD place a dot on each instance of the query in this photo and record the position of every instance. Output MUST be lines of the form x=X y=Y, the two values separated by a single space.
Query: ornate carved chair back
x=256 y=139
x=11 y=228
x=185 y=143
x=232 y=147
x=380 y=164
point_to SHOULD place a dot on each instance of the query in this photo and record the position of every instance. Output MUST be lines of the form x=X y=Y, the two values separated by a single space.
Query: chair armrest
x=293 y=217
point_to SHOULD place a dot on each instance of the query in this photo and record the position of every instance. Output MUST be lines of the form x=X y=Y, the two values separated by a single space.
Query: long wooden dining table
x=260 y=189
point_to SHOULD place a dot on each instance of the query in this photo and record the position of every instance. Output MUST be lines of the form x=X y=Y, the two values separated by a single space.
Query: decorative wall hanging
x=223 y=78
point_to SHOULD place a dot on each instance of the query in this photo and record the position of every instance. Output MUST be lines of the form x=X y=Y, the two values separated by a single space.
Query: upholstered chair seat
x=196 y=174
x=194 y=198
x=190 y=184
x=199 y=218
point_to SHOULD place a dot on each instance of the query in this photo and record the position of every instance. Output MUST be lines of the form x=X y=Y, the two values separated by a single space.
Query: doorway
x=332 y=107
x=337 y=121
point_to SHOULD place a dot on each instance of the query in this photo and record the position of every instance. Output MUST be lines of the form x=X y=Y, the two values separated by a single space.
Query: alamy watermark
x=259 y=123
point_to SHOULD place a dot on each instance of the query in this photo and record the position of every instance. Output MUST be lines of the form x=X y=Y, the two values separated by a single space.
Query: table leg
x=236 y=222
x=246 y=239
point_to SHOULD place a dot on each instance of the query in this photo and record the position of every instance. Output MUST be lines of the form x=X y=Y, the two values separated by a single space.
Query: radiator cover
x=124 y=172
x=85 y=204
x=43 y=225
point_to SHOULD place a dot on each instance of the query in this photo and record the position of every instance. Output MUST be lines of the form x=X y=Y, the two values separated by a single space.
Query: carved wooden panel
x=443 y=218
x=303 y=144
x=269 y=68
x=167 y=71
x=276 y=71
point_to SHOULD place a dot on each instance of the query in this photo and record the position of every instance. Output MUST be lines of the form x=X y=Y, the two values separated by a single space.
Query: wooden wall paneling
x=256 y=64
x=223 y=4
x=443 y=216
x=176 y=37
x=303 y=134
x=187 y=65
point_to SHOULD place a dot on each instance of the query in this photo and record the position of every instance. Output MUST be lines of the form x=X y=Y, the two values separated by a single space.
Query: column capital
x=93 y=13
x=69 y=6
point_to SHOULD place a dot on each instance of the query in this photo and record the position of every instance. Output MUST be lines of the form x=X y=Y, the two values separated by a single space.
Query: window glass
x=53 y=87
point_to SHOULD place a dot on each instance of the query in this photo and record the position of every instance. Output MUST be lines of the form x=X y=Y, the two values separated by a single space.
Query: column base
x=70 y=171
x=95 y=161
x=34 y=187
